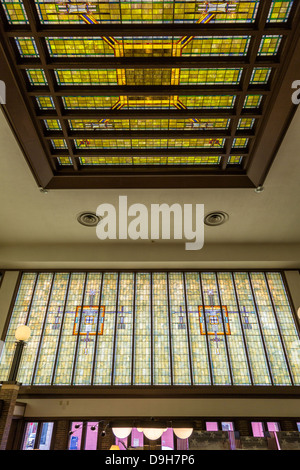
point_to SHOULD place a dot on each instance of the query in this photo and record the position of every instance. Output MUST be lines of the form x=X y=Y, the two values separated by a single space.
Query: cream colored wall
x=6 y=293
x=161 y=407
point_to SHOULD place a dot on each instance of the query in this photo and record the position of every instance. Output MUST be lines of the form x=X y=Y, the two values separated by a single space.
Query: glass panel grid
x=27 y=47
x=160 y=328
x=209 y=160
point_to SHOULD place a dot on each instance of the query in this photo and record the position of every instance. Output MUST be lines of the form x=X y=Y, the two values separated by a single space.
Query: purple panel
x=257 y=429
x=212 y=426
x=91 y=436
x=167 y=439
x=137 y=438
x=75 y=437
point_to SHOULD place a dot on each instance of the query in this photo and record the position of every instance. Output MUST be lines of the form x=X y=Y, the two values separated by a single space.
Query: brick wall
x=9 y=395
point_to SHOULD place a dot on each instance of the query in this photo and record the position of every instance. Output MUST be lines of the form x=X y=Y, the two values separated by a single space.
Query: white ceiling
x=30 y=217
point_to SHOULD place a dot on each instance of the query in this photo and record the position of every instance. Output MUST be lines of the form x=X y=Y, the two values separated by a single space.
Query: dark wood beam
x=146 y=29
x=142 y=90
x=103 y=63
x=148 y=152
x=147 y=114
x=147 y=134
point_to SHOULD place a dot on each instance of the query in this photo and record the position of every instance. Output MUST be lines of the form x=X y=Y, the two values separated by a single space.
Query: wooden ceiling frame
x=272 y=118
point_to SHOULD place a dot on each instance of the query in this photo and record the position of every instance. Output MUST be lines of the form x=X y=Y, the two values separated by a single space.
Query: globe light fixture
x=183 y=433
x=121 y=433
x=153 y=433
x=22 y=335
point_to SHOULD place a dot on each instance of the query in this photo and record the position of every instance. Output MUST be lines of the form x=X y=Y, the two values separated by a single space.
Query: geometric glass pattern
x=162 y=328
x=146 y=76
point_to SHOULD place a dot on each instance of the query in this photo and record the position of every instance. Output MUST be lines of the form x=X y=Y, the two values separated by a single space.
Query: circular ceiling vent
x=89 y=219
x=216 y=218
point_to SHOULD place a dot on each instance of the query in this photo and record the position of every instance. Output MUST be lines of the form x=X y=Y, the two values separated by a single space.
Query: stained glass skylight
x=149 y=70
x=181 y=328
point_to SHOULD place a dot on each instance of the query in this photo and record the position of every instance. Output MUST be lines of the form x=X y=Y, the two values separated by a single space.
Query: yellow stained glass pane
x=45 y=102
x=64 y=161
x=252 y=101
x=208 y=102
x=15 y=11
x=86 y=77
x=269 y=45
x=89 y=102
x=279 y=11
x=260 y=75
x=240 y=142
x=152 y=161
x=217 y=46
x=246 y=123
x=78 y=47
x=52 y=124
x=148 y=143
x=235 y=160
x=210 y=76
x=149 y=124
x=36 y=76
x=26 y=47
x=59 y=143
x=146 y=12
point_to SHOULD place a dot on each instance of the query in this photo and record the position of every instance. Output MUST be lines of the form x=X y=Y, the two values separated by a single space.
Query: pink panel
x=120 y=442
x=75 y=438
x=212 y=426
x=91 y=436
x=273 y=426
x=137 y=438
x=257 y=429
x=167 y=439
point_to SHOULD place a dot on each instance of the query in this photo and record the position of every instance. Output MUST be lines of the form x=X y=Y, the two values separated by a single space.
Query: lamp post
x=22 y=335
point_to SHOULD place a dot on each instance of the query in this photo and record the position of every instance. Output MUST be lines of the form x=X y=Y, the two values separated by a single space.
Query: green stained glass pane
x=269 y=45
x=35 y=322
x=36 y=76
x=27 y=47
x=280 y=11
x=19 y=316
x=90 y=322
x=179 y=328
x=51 y=330
x=260 y=75
x=105 y=346
x=69 y=330
x=234 y=328
x=15 y=11
x=252 y=332
x=217 y=328
x=270 y=330
x=286 y=323
x=124 y=327
x=161 y=334
x=198 y=339
x=142 y=351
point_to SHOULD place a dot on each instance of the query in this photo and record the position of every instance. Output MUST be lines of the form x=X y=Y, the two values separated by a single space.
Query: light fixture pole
x=22 y=335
